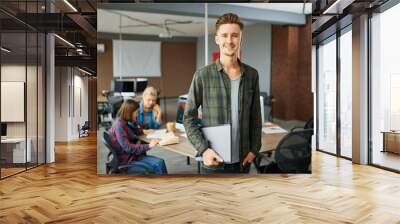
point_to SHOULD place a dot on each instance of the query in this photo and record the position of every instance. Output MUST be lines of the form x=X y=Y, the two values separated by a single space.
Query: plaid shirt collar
x=220 y=68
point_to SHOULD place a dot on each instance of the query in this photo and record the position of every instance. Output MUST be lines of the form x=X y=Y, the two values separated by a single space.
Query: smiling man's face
x=228 y=39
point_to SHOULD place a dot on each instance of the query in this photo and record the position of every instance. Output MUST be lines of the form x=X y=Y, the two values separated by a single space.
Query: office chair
x=268 y=103
x=104 y=118
x=115 y=103
x=292 y=154
x=113 y=163
x=84 y=129
x=309 y=125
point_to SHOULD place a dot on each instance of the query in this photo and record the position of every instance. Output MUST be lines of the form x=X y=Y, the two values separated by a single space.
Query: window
x=346 y=93
x=327 y=96
x=385 y=88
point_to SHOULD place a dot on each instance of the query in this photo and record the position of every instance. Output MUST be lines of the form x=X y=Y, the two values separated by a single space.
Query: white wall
x=14 y=72
x=17 y=73
x=79 y=117
x=256 y=51
x=61 y=103
x=70 y=83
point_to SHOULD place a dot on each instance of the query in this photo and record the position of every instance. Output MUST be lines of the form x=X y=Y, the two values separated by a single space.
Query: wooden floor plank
x=70 y=191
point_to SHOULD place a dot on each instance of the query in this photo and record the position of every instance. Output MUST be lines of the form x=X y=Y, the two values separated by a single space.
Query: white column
x=360 y=90
x=50 y=92
x=50 y=99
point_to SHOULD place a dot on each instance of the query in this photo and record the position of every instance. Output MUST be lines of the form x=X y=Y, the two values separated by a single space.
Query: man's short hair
x=228 y=18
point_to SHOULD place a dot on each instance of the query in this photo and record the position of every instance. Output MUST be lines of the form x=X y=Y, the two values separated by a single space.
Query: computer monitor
x=124 y=86
x=3 y=129
x=141 y=84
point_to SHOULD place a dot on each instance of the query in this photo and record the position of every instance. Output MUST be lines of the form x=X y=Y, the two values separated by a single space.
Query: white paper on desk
x=169 y=139
x=162 y=133
x=180 y=127
x=274 y=130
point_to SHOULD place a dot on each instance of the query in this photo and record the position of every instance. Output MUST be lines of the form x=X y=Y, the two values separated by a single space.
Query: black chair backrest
x=113 y=163
x=293 y=153
x=309 y=124
x=115 y=103
x=86 y=125
x=100 y=107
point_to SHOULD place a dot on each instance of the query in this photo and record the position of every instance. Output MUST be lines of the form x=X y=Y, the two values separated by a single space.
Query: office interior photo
x=332 y=66
x=162 y=45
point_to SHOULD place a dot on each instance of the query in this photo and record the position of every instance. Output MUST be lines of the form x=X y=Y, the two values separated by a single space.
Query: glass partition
x=41 y=96
x=385 y=89
x=31 y=97
x=13 y=87
x=22 y=90
x=327 y=96
x=346 y=93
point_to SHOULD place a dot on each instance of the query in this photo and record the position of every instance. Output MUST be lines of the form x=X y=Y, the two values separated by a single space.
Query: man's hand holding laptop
x=211 y=158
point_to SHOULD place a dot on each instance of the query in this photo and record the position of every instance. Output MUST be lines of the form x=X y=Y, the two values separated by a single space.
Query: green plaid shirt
x=211 y=89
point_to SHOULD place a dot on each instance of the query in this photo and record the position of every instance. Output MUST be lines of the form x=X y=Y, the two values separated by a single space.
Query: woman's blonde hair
x=150 y=90
x=127 y=108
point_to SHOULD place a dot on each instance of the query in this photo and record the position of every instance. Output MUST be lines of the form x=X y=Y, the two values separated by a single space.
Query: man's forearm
x=194 y=134
x=194 y=101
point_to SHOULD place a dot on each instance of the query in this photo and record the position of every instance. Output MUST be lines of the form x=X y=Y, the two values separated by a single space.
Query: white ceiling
x=108 y=21
x=298 y=8
x=135 y=22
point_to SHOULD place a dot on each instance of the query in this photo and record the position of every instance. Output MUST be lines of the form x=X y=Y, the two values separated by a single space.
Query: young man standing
x=228 y=92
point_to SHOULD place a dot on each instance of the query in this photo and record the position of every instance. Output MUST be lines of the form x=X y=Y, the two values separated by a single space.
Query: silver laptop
x=219 y=139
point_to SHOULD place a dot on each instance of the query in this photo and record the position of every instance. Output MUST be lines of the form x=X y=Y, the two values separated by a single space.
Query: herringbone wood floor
x=70 y=191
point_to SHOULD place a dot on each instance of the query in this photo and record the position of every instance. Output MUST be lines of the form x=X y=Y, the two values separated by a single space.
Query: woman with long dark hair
x=123 y=139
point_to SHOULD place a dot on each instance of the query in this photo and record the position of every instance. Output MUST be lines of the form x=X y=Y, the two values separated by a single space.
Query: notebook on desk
x=219 y=139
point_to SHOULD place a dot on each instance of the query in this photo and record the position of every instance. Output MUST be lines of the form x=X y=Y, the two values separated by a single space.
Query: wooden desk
x=391 y=141
x=269 y=142
x=184 y=147
x=13 y=150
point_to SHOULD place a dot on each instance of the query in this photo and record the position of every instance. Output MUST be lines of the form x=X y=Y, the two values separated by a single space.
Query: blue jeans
x=153 y=165
x=225 y=168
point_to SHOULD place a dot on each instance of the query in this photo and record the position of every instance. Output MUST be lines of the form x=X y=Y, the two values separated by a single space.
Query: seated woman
x=149 y=116
x=123 y=139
